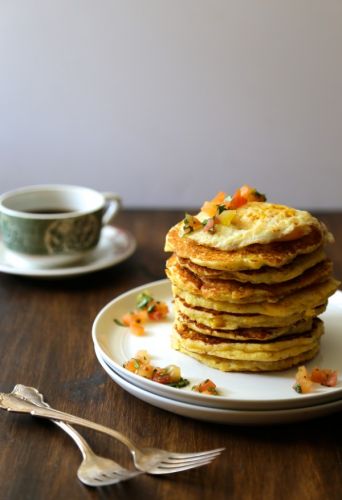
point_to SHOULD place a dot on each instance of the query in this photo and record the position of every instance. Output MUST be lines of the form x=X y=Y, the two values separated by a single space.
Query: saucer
x=115 y=245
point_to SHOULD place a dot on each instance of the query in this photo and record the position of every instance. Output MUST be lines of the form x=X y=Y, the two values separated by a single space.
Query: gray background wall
x=168 y=102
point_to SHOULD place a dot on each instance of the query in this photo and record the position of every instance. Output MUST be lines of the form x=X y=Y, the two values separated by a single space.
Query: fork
x=93 y=470
x=150 y=460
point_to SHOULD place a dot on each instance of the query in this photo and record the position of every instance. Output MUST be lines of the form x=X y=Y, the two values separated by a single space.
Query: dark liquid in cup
x=44 y=211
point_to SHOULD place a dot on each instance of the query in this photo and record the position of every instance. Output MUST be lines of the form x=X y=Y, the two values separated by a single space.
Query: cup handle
x=113 y=202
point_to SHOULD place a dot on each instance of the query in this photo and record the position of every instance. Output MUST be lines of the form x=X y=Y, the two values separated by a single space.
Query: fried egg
x=256 y=222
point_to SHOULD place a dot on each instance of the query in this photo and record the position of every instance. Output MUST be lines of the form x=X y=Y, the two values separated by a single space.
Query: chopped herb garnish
x=143 y=300
x=182 y=382
x=212 y=389
x=151 y=308
x=190 y=224
x=298 y=388
x=260 y=195
x=120 y=323
x=147 y=309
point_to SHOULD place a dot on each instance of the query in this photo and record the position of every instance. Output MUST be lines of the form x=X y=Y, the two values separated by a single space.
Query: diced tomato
x=141 y=315
x=168 y=375
x=303 y=383
x=219 y=198
x=135 y=321
x=191 y=224
x=321 y=376
x=140 y=365
x=127 y=319
x=147 y=309
x=158 y=311
x=244 y=195
x=241 y=196
x=206 y=387
x=245 y=191
x=134 y=317
x=161 y=375
x=220 y=203
x=146 y=370
x=237 y=201
x=251 y=194
x=324 y=376
x=132 y=365
x=137 y=329
x=209 y=208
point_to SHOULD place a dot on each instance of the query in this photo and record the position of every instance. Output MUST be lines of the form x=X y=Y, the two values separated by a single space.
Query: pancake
x=265 y=274
x=227 y=321
x=296 y=303
x=274 y=350
x=275 y=254
x=249 y=279
x=233 y=291
x=229 y=365
x=260 y=334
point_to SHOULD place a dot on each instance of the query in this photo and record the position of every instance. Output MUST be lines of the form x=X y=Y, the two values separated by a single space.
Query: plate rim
x=221 y=415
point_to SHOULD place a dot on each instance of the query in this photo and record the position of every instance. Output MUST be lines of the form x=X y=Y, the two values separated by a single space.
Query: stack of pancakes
x=247 y=294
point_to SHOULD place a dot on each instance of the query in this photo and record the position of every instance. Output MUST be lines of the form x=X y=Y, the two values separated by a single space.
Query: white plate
x=218 y=415
x=237 y=390
x=115 y=245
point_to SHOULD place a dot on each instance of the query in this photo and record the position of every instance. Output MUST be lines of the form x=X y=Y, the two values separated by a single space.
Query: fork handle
x=72 y=419
x=76 y=436
x=11 y=403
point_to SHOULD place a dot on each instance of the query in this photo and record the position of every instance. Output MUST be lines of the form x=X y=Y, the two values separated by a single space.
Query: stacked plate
x=245 y=398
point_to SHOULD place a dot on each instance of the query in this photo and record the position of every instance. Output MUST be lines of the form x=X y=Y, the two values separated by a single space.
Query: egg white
x=255 y=222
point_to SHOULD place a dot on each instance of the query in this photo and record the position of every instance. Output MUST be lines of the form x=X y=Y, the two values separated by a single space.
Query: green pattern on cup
x=51 y=236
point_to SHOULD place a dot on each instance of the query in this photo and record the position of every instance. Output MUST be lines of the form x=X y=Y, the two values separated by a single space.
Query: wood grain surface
x=45 y=341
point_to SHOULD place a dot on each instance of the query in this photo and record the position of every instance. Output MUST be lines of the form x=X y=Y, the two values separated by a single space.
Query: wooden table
x=45 y=340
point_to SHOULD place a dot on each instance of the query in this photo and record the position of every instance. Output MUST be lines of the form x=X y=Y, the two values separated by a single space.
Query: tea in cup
x=47 y=226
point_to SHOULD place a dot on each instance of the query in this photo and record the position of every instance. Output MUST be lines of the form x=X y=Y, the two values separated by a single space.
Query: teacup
x=47 y=226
